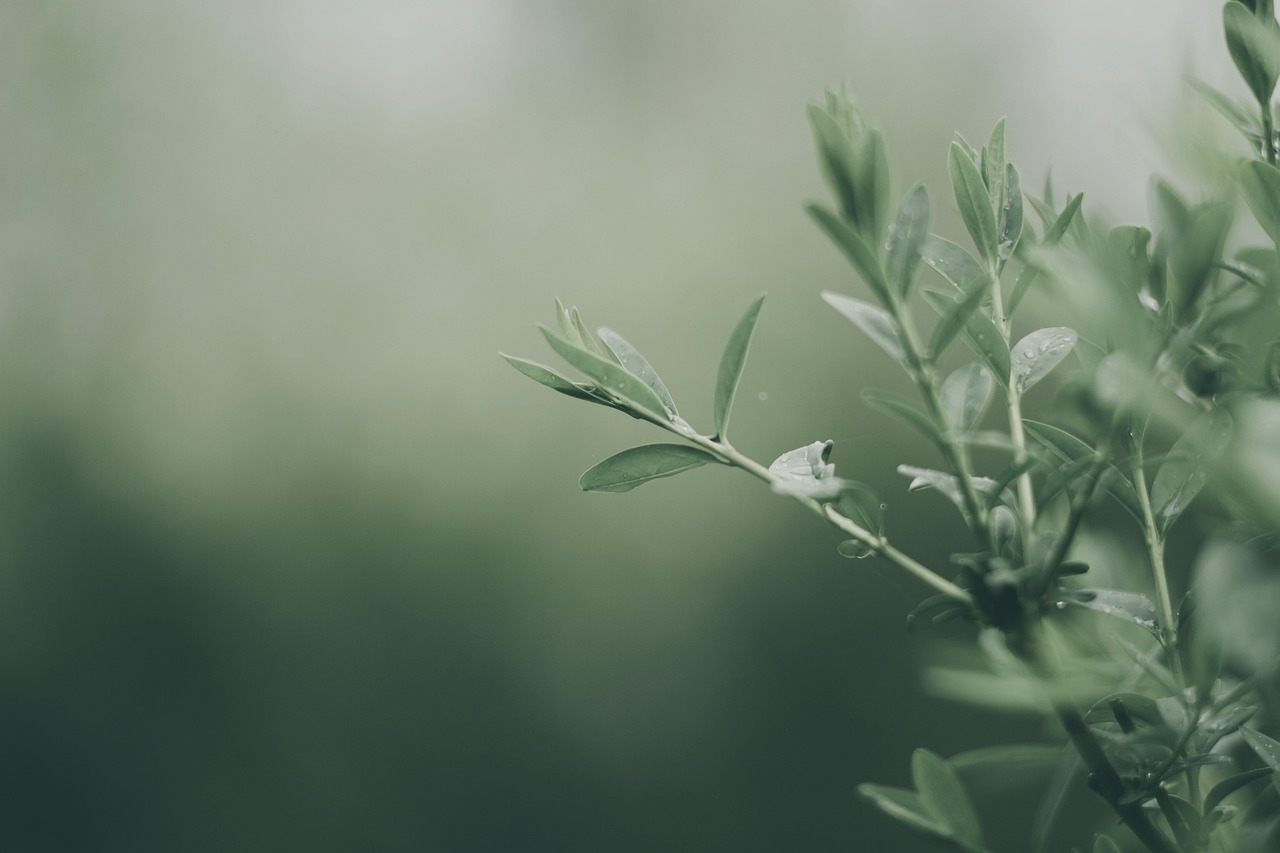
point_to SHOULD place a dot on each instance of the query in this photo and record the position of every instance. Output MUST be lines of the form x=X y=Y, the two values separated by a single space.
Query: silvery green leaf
x=805 y=471
x=637 y=365
x=944 y=797
x=624 y=471
x=1129 y=606
x=611 y=378
x=874 y=323
x=837 y=159
x=955 y=264
x=1186 y=469
x=1038 y=353
x=731 y=364
x=1245 y=120
x=906 y=235
x=552 y=379
x=1052 y=237
x=1261 y=184
x=981 y=334
x=965 y=395
x=973 y=201
x=1267 y=748
x=854 y=248
x=902 y=410
x=1011 y=215
x=947 y=484
x=993 y=167
x=954 y=318
x=1254 y=46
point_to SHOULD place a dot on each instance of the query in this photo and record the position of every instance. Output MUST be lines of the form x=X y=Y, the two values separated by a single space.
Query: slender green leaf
x=905 y=807
x=1032 y=271
x=1186 y=469
x=955 y=264
x=973 y=201
x=858 y=503
x=1010 y=214
x=731 y=364
x=965 y=395
x=1069 y=448
x=1038 y=353
x=993 y=168
x=981 y=334
x=1255 y=48
x=995 y=770
x=544 y=375
x=944 y=797
x=1261 y=184
x=1193 y=257
x=953 y=320
x=565 y=321
x=873 y=186
x=837 y=159
x=1062 y=478
x=1267 y=748
x=1245 y=120
x=624 y=471
x=906 y=237
x=611 y=378
x=1231 y=784
x=1130 y=606
x=637 y=365
x=855 y=249
x=874 y=323
x=585 y=340
x=896 y=407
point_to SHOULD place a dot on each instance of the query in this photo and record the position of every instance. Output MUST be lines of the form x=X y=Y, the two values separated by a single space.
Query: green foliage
x=1167 y=410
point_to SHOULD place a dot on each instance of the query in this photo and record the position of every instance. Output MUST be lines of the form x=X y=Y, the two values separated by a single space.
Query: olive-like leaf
x=953 y=320
x=1070 y=449
x=1186 y=469
x=858 y=503
x=874 y=323
x=906 y=236
x=1254 y=46
x=955 y=264
x=1031 y=272
x=611 y=378
x=854 y=248
x=1261 y=184
x=993 y=168
x=1130 y=606
x=637 y=365
x=805 y=471
x=552 y=379
x=973 y=201
x=944 y=797
x=836 y=158
x=624 y=471
x=965 y=395
x=1010 y=214
x=1231 y=784
x=1038 y=353
x=981 y=334
x=899 y=408
x=731 y=364
x=873 y=184
x=905 y=807
x=1244 y=120
x=1267 y=748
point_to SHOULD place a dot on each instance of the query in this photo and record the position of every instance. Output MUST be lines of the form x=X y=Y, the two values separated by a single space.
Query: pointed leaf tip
x=731 y=364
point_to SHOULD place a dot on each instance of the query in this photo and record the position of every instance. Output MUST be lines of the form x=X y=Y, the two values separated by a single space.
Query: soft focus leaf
x=1038 y=353
x=1027 y=277
x=965 y=395
x=995 y=770
x=731 y=364
x=1244 y=119
x=982 y=336
x=905 y=807
x=1188 y=465
x=544 y=375
x=1255 y=48
x=1103 y=844
x=874 y=323
x=1069 y=448
x=973 y=201
x=611 y=378
x=836 y=158
x=637 y=365
x=1267 y=748
x=944 y=797
x=624 y=471
x=1010 y=215
x=855 y=249
x=954 y=318
x=1231 y=784
x=1261 y=184
x=905 y=412
x=1129 y=606
x=858 y=503
x=906 y=237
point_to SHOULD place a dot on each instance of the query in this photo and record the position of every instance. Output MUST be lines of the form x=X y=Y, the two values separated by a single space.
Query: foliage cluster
x=1167 y=385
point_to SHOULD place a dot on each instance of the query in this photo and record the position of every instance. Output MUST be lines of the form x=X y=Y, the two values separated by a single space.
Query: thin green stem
x=1155 y=550
x=877 y=543
x=1013 y=401
x=1268 y=134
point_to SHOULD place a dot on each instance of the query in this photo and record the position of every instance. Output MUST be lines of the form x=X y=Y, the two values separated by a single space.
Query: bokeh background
x=290 y=560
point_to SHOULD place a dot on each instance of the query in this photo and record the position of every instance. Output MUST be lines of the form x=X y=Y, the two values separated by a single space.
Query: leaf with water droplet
x=611 y=378
x=1038 y=353
x=944 y=797
x=874 y=323
x=1187 y=467
x=973 y=201
x=965 y=395
x=805 y=471
x=1010 y=215
x=624 y=471
x=637 y=365
x=906 y=236
x=854 y=248
x=953 y=320
x=1129 y=606
x=993 y=168
x=955 y=264
x=1267 y=748
x=731 y=364
x=902 y=410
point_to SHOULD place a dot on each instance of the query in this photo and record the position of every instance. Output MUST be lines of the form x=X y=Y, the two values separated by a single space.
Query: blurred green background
x=289 y=559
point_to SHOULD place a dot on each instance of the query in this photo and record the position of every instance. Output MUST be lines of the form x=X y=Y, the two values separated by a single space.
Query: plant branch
x=1013 y=400
x=1155 y=550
